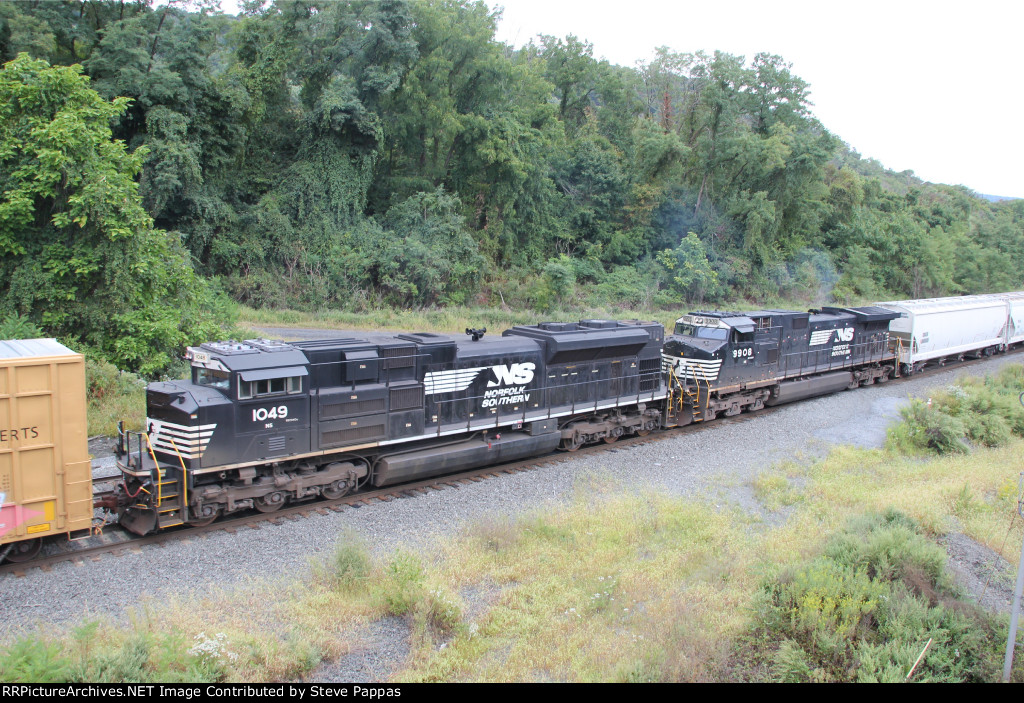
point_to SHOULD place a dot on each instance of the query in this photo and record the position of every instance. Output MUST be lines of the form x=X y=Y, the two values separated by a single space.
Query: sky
x=935 y=87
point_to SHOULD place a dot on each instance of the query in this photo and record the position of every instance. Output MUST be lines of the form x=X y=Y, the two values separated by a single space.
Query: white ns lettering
x=514 y=375
x=845 y=334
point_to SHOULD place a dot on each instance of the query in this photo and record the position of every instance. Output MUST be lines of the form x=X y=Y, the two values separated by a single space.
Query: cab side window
x=269 y=386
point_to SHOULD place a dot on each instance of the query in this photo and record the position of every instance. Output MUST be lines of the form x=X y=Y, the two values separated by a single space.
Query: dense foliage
x=869 y=606
x=79 y=252
x=974 y=412
x=327 y=154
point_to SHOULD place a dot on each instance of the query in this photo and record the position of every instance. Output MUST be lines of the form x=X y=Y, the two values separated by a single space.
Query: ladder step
x=170 y=520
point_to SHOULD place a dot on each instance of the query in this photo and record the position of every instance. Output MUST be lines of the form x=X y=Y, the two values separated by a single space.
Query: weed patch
x=865 y=608
x=973 y=412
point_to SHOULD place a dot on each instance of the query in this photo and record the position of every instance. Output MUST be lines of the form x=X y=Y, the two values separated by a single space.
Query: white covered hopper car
x=937 y=330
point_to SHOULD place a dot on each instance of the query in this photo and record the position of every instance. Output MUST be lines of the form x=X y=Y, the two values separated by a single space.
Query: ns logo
x=514 y=375
x=844 y=335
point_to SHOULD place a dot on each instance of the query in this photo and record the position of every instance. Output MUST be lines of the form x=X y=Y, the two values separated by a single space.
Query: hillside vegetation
x=157 y=163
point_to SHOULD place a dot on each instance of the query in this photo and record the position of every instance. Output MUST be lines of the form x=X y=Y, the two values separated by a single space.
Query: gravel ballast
x=725 y=453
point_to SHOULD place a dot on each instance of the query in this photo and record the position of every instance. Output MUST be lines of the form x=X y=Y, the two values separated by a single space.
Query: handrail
x=184 y=478
x=156 y=468
x=575 y=398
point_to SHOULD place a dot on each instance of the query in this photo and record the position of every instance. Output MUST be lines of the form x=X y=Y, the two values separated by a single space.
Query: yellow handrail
x=156 y=464
x=184 y=478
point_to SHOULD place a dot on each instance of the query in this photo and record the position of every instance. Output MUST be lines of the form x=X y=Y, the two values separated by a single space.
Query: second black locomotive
x=723 y=363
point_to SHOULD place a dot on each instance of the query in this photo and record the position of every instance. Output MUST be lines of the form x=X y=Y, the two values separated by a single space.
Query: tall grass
x=453 y=319
x=616 y=586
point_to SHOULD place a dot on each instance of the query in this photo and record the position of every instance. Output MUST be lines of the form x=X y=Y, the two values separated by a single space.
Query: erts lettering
x=514 y=375
x=19 y=434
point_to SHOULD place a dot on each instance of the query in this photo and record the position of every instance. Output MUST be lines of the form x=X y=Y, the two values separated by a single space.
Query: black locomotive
x=723 y=363
x=262 y=423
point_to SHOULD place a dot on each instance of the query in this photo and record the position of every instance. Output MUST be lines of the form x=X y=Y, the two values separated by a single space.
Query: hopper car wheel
x=270 y=502
x=642 y=433
x=24 y=551
x=613 y=435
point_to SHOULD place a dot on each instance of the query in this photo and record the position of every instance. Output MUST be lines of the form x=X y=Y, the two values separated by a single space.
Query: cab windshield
x=211 y=377
x=687 y=330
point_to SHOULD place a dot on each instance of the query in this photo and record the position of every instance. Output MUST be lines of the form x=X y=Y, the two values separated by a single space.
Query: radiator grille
x=276 y=444
x=649 y=374
x=406 y=398
x=348 y=436
x=398 y=357
x=355 y=407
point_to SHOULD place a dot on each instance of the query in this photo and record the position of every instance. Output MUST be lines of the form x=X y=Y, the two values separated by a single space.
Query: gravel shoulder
x=718 y=462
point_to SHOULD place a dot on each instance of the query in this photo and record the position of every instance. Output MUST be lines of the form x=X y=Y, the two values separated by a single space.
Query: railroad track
x=112 y=540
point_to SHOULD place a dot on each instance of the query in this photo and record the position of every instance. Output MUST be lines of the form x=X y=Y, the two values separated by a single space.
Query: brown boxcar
x=45 y=472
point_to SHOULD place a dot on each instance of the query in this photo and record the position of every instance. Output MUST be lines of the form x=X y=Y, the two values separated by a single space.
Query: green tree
x=78 y=253
x=423 y=254
x=693 y=278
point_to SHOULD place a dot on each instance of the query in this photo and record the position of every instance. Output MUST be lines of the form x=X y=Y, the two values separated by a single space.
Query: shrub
x=351 y=560
x=113 y=395
x=34 y=660
x=986 y=411
x=927 y=428
x=403 y=585
x=437 y=613
x=864 y=609
x=14 y=326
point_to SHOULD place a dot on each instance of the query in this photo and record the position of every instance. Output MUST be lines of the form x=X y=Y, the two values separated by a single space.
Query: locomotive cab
x=715 y=348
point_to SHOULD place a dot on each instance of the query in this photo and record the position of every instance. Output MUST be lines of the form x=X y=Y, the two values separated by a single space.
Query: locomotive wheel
x=571 y=445
x=24 y=551
x=270 y=502
x=335 y=490
x=203 y=521
x=613 y=435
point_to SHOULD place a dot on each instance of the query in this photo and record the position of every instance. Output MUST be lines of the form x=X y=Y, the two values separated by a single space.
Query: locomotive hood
x=703 y=334
x=180 y=397
x=173 y=397
x=691 y=346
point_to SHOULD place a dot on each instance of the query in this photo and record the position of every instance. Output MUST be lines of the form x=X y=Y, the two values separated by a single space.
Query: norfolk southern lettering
x=505 y=396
